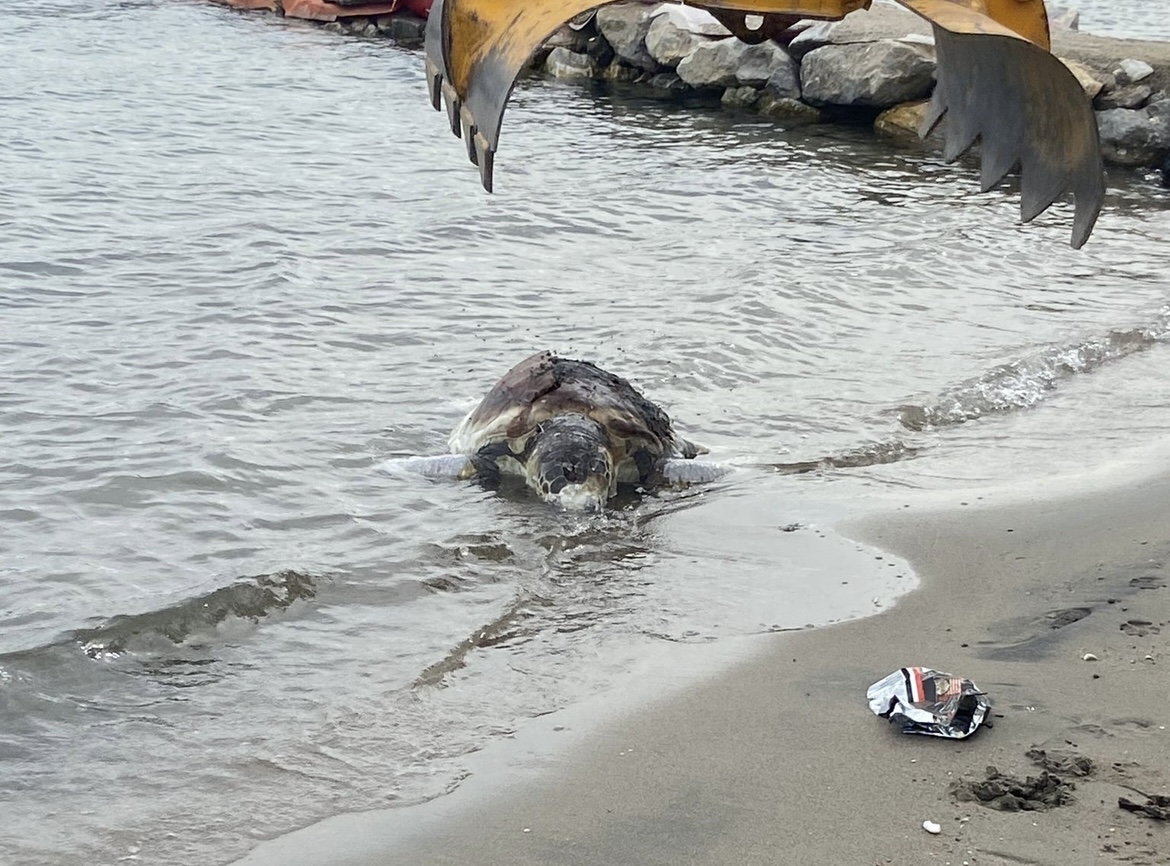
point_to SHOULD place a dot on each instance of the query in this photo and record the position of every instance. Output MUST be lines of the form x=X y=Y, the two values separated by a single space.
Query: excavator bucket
x=996 y=83
x=999 y=84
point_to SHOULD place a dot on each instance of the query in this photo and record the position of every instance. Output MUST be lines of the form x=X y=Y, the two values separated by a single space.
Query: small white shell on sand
x=932 y=828
x=1089 y=657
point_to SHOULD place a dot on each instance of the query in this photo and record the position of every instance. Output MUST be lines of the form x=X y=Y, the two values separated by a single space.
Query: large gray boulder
x=668 y=41
x=1129 y=96
x=784 y=82
x=758 y=63
x=811 y=38
x=624 y=26
x=731 y=63
x=1134 y=137
x=712 y=64
x=873 y=74
x=1159 y=105
x=563 y=63
x=880 y=21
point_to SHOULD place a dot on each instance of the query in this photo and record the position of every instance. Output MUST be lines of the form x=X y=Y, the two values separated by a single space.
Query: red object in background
x=321 y=10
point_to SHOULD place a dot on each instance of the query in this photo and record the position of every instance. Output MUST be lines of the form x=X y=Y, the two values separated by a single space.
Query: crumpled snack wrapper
x=925 y=701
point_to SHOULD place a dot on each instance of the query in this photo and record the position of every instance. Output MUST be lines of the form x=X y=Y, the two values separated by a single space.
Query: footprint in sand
x=1140 y=628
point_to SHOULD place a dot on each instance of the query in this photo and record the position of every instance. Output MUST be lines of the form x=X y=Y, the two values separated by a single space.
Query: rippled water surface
x=1127 y=19
x=242 y=263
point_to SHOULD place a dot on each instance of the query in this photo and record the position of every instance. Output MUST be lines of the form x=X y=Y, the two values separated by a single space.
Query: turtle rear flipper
x=458 y=466
x=687 y=449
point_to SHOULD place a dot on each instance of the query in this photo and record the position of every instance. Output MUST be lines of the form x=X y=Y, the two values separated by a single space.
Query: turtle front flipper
x=486 y=462
x=458 y=466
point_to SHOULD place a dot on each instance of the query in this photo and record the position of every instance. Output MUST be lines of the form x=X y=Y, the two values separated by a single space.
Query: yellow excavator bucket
x=996 y=82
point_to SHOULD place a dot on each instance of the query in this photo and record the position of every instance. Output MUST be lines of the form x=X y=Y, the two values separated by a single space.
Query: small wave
x=251 y=598
x=871 y=454
x=1027 y=381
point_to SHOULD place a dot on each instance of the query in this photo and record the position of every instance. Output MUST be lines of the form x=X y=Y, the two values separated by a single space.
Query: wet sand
x=779 y=761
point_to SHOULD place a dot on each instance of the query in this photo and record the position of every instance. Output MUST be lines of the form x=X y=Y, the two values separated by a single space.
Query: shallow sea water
x=242 y=264
x=1124 y=19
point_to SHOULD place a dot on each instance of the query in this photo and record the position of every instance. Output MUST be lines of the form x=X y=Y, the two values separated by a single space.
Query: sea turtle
x=573 y=431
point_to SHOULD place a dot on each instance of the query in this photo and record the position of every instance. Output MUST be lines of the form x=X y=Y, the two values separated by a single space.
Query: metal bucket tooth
x=467 y=121
x=485 y=158
x=960 y=136
x=434 y=84
x=1029 y=110
x=934 y=113
x=436 y=62
x=1039 y=187
x=453 y=103
x=998 y=158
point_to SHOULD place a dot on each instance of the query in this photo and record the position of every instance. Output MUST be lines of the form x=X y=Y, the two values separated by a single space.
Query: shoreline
x=778 y=760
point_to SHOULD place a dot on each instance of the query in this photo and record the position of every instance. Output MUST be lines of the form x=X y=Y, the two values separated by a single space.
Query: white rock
x=1135 y=70
x=1089 y=657
x=688 y=18
x=932 y=828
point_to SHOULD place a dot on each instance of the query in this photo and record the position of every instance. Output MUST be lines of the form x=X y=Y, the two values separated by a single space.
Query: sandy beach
x=780 y=762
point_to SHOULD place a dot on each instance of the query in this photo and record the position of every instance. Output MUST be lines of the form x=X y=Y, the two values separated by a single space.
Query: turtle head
x=569 y=463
